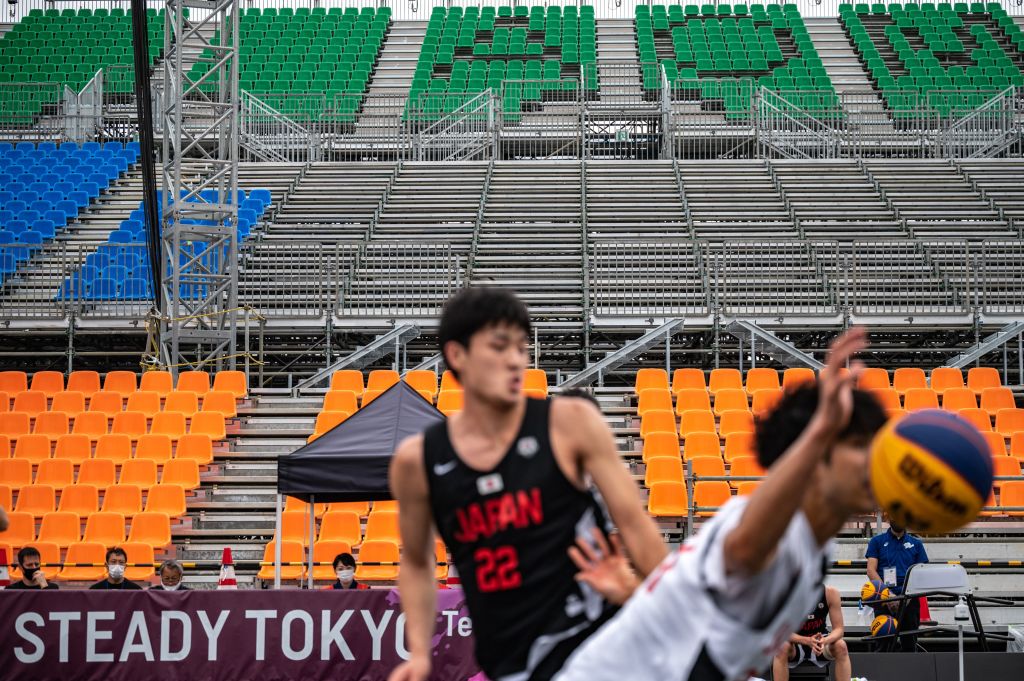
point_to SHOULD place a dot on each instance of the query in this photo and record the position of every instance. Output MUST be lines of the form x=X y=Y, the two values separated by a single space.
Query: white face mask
x=116 y=571
x=345 y=575
x=171 y=587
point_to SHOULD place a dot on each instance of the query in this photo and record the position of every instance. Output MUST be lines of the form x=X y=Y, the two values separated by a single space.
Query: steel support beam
x=780 y=350
x=613 y=360
x=1000 y=337
x=381 y=346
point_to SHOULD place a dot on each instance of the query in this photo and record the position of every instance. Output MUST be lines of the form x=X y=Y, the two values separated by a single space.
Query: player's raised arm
x=595 y=446
x=750 y=546
x=416 y=579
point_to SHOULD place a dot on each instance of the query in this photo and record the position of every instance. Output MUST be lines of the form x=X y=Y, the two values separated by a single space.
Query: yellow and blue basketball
x=874 y=591
x=883 y=625
x=931 y=471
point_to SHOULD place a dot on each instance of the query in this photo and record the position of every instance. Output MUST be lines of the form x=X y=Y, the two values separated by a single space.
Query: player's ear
x=455 y=355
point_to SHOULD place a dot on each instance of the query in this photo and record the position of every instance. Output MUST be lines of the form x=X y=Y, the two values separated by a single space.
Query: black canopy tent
x=350 y=462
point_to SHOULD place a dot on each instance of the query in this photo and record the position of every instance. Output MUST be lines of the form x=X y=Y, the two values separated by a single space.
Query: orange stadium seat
x=916 y=399
x=326 y=420
x=707 y=466
x=6 y=495
x=120 y=382
x=764 y=401
x=5 y=446
x=979 y=417
x=692 y=399
x=151 y=528
x=182 y=402
x=385 y=505
x=85 y=382
x=80 y=498
x=907 y=378
x=130 y=423
x=209 y=423
x=955 y=399
x=125 y=499
x=16 y=473
x=197 y=382
x=535 y=383
x=31 y=402
x=5 y=401
x=724 y=378
x=48 y=382
x=449 y=382
x=449 y=401
x=104 y=528
x=155 y=447
x=141 y=472
x=60 y=527
x=383 y=525
x=739 y=444
x=141 y=561
x=647 y=379
x=797 y=376
x=660 y=444
x=221 y=402
x=97 y=472
x=348 y=379
x=109 y=402
x=659 y=422
x=292 y=560
x=979 y=378
x=159 y=382
x=381 y=379
x=115 y=447
x=654 y=399
x=341 y=400
x=360 y=507
x=147 y=402
x=21 y=529
x=84 y=562
x=696 y=422
x=93 y=425
x=14 y=424
x=32 y=448
x=37 y=500
x=667 y=499
x=324 y=552
x=702 y=443
x=1005 y=465
x=996 y=443
x=295 y=526
x=423 y=381
x=1017 y=445
x=745 y=467
x=729 y=399
x=181 y=472
x=197 y=447
x=57 y=473
x=688 y=379
x=762 y=378
x=710 y=494
x=441 y=558
x=735 y=422
x=944 y=378
x=13 y=382
x=1012 y=494
x=747 y=488
x=52 y=424
x=341 y=526
x=169 y=499
x=662 y=469
x=1009 y=421
x=994 y=399
x=296 y=504
x=233 y=382
x=378 y=551
x=172 y=424
x=71 y=403
x=370 y=395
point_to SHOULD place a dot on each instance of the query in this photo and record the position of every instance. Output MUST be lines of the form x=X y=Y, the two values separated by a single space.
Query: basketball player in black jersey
x=813 y=642
x=506 y=482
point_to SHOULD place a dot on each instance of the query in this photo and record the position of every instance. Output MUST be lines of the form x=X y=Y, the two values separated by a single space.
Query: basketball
x=874 y=591
x=931 y=471
x=883 y=625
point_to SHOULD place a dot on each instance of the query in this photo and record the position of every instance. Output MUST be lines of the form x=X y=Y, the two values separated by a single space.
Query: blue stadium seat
x=117 y=273
x=102 y=289
x=135 y=289
x=45 y=227
x=121 y=236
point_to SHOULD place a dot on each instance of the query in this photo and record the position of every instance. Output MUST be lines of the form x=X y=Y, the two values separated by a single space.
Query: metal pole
x=309 y=546
x=536 y=348
x=668 y=353
x=279 y=509
x=689 y=498
x=960 y=649
x=753 y=352
x=247 y=345
x=1020 y=359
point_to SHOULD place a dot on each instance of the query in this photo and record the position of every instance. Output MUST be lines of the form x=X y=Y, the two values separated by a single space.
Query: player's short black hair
x=27 y=552
x=345 y=559
x=581 y=393
x=472 y=309
x=780 y=428
x=115 y=551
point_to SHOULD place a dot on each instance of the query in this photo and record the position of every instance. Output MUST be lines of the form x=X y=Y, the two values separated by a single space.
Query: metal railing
x=1000 y=282
x=799 y=124
x=981 y=131
x=909 y=277
x=648 y=278
x=452 y=127
x=83 y=111
x=545 y=123
x=400 y=279
x=287 y=279
x=775 y=277
x=266 y=134
x=711 y=118
x=30 y=279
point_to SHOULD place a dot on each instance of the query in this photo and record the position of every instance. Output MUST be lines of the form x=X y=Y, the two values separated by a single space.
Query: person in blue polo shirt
x=890 y=555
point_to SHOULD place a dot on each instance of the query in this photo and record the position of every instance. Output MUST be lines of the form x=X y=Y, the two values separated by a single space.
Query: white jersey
x=689 y=621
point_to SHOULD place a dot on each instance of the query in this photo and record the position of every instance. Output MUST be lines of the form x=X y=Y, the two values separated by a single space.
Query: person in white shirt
x=723 y=605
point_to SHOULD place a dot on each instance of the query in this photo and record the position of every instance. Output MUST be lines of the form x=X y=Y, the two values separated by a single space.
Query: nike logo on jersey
x=445 y=468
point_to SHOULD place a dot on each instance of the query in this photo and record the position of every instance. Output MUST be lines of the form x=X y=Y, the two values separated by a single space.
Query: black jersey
x=815 y=622
x=509 y=530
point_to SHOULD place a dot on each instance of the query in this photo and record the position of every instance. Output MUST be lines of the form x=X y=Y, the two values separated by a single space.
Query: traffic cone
x=5 y=577
x=227 y=571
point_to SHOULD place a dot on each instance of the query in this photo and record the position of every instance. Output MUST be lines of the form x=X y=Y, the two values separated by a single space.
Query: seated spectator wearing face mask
x=170 y=577
x=345 y=569
x=117 y=561
x=31 y=576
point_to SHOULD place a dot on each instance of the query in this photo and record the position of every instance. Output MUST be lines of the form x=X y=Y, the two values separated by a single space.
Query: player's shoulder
x=409 y=454
x=573 y=411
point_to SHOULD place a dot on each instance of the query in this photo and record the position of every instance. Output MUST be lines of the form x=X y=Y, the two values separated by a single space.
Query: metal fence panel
x=1001 y=276
x=799 y=124
x=452 y=127
x=286 y=279
x=539 y=119
x=109 y=282
x=400 y=279
x=902 y=277
x=775 y=277
x=648 y=278
x=623 y=118
x=712 y=118
x=30 y=279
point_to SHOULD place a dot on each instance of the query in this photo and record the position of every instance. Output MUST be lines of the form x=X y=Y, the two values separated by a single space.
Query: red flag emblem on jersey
x=489 y=484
